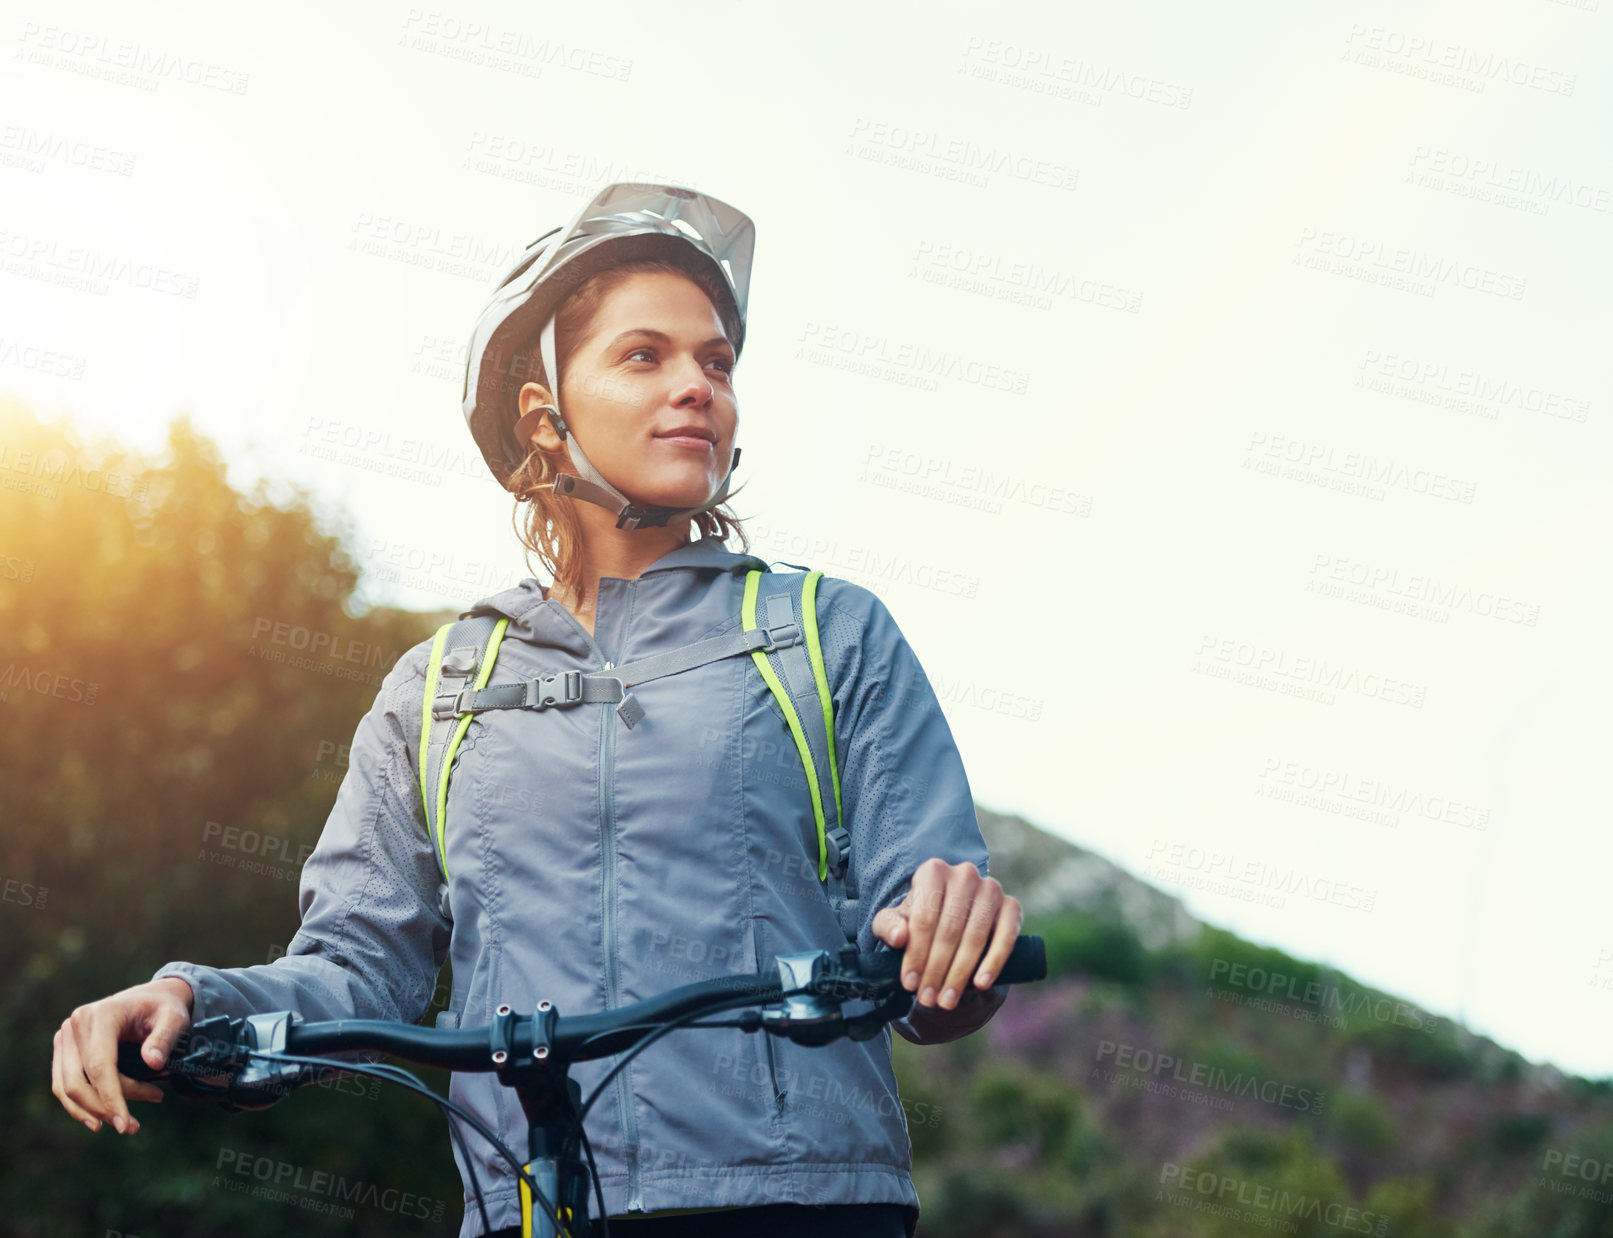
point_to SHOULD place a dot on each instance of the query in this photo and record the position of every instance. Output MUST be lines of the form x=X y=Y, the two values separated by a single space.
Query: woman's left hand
x=944 y=924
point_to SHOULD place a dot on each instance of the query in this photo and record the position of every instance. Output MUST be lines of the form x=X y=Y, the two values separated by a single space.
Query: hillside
x=1154 y=1085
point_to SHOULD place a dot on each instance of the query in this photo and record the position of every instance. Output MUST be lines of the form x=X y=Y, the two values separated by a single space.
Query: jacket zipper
x=772 y=1070
x=613 y=996
x=767 y=1037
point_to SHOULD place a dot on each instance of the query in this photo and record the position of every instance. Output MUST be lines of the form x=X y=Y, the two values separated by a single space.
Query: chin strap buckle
x=635 y=517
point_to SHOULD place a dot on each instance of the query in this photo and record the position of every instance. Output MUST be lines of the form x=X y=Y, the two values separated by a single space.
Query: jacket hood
x=520 y=600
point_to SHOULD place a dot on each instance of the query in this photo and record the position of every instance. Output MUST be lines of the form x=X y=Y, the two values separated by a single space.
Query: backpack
x=786 y=651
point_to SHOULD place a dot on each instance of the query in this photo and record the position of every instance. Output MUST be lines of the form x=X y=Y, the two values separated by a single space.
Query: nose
x=694 y=387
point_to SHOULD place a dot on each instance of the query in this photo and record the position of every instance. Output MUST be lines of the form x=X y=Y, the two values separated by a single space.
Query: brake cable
x=397 y=1074
x=385 y=1070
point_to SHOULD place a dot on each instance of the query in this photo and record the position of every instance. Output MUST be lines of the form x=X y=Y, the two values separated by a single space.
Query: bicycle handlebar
x=220 y=1047
x=253 y=1062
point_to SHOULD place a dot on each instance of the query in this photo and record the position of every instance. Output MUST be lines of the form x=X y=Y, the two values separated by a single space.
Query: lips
x=690 y=431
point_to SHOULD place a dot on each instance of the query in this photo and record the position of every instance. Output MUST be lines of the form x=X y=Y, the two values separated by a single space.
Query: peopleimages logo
x=88 y=269
x=1331 y=1001
x=121 y=62
x=1561 y=1167
x=46 y=683
x=319 y=1189
x=1232 y=1197
x=1142 y=1063
x=1039 y=68
x=1312 y=675
x=1229 y=870
x=1317 y=785
x=1468 y=391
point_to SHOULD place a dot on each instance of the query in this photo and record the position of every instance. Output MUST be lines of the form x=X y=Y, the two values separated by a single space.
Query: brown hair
x=552 y=530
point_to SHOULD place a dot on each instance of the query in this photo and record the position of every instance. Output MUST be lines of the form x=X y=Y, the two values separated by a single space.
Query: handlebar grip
x=132 y=1064
x=1026 y=962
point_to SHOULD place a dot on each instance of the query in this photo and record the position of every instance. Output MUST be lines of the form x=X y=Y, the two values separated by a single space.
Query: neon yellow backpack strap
x=432 y=664
x=451 y=667
x=792 y=717
x=809 y=620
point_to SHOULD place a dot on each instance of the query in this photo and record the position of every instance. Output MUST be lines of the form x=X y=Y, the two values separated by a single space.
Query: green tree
x=137 y=597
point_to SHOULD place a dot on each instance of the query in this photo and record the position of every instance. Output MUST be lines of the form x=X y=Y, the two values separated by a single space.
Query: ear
x=534 y=427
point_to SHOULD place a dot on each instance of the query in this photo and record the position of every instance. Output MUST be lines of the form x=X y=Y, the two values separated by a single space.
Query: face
x=656 y=361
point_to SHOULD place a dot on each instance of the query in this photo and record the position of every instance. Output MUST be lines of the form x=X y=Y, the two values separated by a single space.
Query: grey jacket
x=596 y=865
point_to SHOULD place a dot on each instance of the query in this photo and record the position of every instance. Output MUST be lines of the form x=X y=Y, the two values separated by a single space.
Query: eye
x=723 y=363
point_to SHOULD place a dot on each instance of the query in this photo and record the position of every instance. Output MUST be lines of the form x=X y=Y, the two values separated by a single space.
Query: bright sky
x=1220 y=403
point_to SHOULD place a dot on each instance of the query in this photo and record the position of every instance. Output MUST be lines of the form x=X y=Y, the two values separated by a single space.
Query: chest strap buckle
x=781 y=637
x=837 y=848
x=560 y=689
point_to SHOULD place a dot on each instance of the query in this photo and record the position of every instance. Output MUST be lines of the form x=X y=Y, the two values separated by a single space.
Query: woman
x=596 y=858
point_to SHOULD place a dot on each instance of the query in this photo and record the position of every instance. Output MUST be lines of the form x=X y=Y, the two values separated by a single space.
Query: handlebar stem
x=525 y=1058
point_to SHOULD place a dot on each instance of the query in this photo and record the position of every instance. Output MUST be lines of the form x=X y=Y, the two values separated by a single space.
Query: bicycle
x=256 y=1061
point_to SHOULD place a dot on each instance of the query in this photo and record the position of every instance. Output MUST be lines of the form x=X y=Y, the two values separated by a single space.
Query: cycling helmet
x=623 y=222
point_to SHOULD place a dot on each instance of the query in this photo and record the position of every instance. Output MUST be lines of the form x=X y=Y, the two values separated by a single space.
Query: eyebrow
x=662 y=337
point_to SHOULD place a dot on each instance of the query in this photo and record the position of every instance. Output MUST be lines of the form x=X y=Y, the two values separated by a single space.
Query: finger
x=1010 y=919
x=138 y=1089
x=890 y=926
x=74 y=1082
x=953 y=915
x=57 y=1085
x=165 y=1029
x=98 y=1046
x=923 y=905
x=976 y=936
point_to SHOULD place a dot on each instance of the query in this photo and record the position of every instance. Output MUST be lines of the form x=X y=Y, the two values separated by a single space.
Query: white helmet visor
x=724 y=232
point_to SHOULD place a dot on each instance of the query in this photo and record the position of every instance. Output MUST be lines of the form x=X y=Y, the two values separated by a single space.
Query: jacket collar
x=707 y=552
x=521 y=600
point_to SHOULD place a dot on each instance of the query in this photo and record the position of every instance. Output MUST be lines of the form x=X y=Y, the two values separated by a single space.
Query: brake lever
x=220 y=1049
x=815 y=1017
x=263 y=1083
x=869 y=1024
x=811 y=1017
x=884 y=964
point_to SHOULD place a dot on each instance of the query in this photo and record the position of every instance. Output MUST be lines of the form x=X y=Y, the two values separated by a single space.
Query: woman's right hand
x=84 y=1072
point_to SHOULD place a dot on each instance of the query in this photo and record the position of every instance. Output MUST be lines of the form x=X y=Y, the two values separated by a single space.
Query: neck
x=605 y=550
